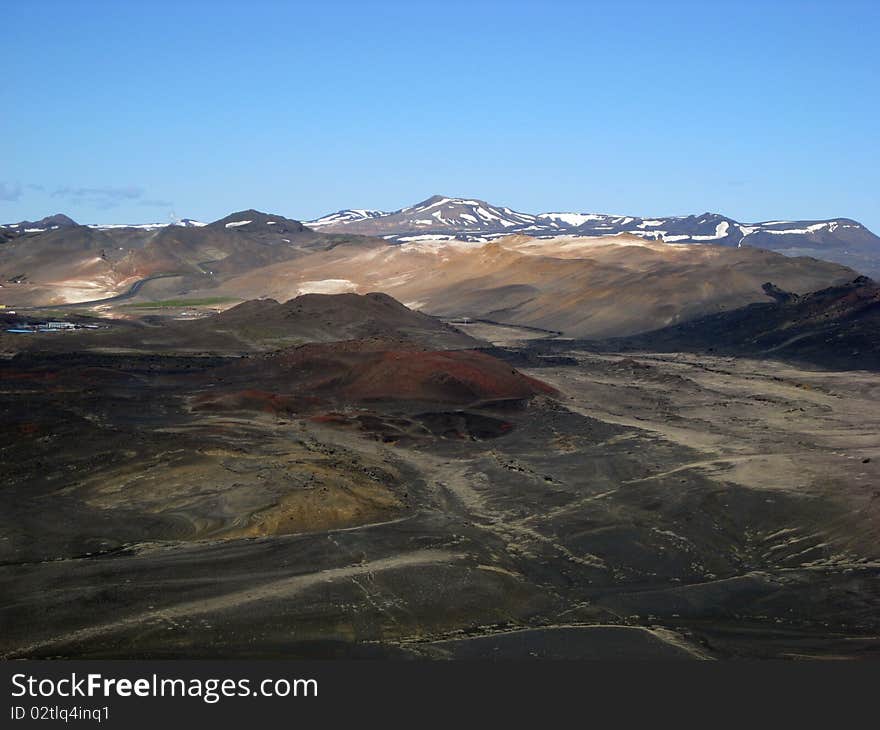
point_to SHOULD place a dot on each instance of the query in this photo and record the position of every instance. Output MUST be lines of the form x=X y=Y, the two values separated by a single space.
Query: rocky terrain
x=255 y=438
x=838 y=327
x=78 y=263
x=580 y=287
x=573 y=285
x=461 y=245
x=260 y=325
x=410 y=491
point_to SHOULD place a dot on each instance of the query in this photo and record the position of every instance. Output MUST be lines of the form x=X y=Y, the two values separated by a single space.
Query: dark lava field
x=406 y=491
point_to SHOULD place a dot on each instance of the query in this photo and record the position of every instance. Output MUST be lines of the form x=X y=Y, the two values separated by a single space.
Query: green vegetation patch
x=175 y=303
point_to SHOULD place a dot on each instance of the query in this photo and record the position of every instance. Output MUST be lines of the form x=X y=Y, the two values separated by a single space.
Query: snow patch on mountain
x=345 y=216
x=568 y=219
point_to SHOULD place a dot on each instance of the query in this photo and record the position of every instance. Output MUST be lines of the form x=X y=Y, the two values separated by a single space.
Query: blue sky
x=129 y=111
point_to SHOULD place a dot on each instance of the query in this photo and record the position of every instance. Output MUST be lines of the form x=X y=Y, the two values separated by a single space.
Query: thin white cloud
x=100 y=197
x=10 y=191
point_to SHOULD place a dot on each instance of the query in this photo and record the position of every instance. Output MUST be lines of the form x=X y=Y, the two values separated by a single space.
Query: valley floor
x=664 y=506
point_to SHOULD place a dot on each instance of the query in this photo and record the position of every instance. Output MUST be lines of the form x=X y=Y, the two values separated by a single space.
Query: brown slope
x=78 y=263
x=64 y=264
x=237 y=243
x=372 y=371
x=396 y=392
x=333 y=318
x=261 y=326
x=581 y=287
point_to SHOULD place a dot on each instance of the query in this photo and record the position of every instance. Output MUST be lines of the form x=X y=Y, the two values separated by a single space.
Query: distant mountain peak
x=11 y=231
x=438 y=215
x=58 y=219
x=434 y=199
x=252 y=219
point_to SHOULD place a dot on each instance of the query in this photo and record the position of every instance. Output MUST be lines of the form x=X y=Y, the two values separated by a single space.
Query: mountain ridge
x=472 y=219
x=444 y=215
x=842 y=240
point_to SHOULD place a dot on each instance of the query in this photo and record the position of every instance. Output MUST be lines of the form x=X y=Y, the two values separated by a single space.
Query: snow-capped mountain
x=462 y=214
x=346 y=216
x=718 y=229
x=59 y=220
x=465 y=218
x=441 y=217
x=255 y=222
x=438 y=215
x=51 y=222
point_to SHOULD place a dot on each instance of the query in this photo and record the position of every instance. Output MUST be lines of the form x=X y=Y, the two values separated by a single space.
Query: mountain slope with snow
x=443 y=218
x=344 y=217
x=49 y=223
x=715 y=228
x=437 y=216
x=462 y=217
